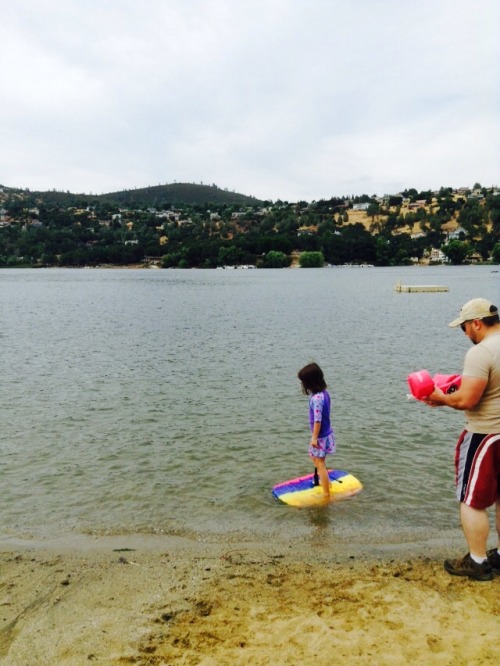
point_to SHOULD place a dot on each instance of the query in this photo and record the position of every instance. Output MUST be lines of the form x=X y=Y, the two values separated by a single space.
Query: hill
x=179 y=193
x=154 y=196
x=170 y=221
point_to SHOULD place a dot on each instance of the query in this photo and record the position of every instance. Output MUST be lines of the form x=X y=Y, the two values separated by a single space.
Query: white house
x=437 y=255
x=455 y=235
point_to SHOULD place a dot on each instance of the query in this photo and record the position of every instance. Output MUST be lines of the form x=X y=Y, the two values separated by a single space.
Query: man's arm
x=468 y=395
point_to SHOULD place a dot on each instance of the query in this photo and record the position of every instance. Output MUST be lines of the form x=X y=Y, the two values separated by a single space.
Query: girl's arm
x=315 y=433
x=317 y=407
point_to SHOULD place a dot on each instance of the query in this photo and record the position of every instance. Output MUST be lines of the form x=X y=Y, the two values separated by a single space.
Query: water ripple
x=167 y=401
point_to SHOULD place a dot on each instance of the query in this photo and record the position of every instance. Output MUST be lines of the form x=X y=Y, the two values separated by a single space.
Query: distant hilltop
x=176 y=193
x=156 y=195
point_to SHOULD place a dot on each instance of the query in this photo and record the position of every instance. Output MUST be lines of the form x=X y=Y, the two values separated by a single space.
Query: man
x=477 y=457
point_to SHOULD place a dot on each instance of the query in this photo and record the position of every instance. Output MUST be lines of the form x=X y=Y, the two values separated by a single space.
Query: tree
x=495 y=255
x=274 y=259
x=373 y=210
x=228 y=256
x=471 y=216
x=312 y=260
x=411 y=194
x=456 y=251
x=382 y=251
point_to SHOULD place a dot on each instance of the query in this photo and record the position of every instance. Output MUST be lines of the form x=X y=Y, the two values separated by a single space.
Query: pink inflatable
x=422 y=384
x=448 y=383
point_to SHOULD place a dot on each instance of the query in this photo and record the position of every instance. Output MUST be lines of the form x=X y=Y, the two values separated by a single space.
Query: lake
x=167 y=401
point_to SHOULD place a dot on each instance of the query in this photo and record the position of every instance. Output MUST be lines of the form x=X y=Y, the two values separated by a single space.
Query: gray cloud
x=276 y=98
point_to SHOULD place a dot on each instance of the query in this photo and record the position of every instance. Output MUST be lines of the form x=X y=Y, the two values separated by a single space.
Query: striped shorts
x=477 y=469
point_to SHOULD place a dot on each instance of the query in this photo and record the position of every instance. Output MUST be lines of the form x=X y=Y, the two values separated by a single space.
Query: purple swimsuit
x=319 y=411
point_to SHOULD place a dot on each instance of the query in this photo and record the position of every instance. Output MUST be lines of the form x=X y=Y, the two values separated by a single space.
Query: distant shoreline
x=196 y=268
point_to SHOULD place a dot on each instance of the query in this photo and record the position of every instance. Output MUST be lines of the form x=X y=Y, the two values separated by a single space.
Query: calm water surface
x=167 y=401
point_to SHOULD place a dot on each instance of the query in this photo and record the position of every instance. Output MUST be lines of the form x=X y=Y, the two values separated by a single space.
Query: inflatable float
x=422 y=384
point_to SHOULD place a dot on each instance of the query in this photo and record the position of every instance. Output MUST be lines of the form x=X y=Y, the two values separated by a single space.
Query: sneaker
x=494 y=560
x=467 y=567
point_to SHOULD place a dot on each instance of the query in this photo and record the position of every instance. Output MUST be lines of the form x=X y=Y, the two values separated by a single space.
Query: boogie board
x=303 y=492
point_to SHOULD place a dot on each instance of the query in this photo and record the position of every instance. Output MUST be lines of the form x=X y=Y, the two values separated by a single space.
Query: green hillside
x=156 y=196
x=179 y=193
x=167 y=222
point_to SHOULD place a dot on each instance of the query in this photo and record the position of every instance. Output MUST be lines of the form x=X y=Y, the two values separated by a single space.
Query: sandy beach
x=173 y=601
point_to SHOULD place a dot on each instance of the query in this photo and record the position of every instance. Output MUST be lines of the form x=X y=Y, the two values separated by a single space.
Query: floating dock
x=411 y=288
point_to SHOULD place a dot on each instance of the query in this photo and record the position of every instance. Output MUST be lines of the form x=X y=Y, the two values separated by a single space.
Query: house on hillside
x=170 y=215
x=421 y=203
x=455 y=234
x=437 y=256
x=475 y=258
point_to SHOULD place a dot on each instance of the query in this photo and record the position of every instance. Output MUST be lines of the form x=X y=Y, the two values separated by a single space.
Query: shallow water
x=167 y=401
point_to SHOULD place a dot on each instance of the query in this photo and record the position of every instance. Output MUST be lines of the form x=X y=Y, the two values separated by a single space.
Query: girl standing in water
x=322 y=438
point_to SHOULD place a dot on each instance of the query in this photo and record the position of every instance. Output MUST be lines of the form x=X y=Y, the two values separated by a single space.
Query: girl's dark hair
x=312 y=379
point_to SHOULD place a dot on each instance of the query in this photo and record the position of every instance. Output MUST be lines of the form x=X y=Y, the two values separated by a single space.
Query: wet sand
x=177 y=602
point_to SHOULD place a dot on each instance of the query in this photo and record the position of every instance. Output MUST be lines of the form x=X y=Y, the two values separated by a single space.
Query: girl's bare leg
x=323 y=476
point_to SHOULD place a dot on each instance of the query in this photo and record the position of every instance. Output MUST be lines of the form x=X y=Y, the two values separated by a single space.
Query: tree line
x=43 y=231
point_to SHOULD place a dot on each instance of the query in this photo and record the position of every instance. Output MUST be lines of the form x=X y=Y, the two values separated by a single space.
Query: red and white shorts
x=477 y=469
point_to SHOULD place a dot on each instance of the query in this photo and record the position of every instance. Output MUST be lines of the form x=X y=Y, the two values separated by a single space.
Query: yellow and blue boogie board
x=305 y=491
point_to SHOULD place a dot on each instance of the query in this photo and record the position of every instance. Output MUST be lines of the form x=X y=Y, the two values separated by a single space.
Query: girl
x=322 y=439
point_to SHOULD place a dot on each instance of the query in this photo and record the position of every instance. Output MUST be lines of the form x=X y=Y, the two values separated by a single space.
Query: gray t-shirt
x=483 y=360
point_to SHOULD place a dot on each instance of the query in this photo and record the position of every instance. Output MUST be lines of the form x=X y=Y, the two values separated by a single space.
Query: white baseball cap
x=477 y=308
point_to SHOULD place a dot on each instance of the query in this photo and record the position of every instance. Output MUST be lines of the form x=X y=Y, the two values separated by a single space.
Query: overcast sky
x=279 y=99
